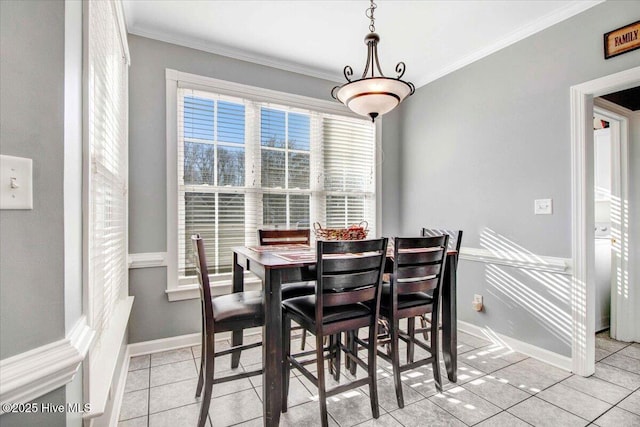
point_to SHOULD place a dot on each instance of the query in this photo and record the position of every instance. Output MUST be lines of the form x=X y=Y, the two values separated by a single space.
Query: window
x=247 y=158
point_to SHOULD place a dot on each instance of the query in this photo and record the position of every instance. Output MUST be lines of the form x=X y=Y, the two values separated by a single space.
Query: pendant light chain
x=369 y=14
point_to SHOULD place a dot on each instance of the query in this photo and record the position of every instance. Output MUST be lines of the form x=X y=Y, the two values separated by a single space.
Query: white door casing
x=582 y=199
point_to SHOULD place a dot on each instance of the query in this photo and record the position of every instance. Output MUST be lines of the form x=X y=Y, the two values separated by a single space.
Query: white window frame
x=100 y=365
x=180 y=290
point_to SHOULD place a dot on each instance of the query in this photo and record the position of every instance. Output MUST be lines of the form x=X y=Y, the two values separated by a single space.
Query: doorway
x=602 y=167
x=583 y=283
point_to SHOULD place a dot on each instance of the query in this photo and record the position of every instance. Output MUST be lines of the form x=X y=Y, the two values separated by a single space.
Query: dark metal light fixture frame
x=373 y=95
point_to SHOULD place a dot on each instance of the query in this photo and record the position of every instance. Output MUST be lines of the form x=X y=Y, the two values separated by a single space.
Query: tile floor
x=496 y=387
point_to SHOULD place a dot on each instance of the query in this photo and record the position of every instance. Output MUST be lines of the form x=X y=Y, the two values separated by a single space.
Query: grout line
x=422 y=397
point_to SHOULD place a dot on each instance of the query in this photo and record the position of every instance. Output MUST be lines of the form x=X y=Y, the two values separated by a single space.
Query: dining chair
x=455 y=241
x=302 y=284
x=347 y=297
x=232 y=312
x=413 y=290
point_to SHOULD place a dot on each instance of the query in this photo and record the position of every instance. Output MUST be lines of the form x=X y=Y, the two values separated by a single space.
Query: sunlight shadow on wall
x=523 y=290
x=620 y=216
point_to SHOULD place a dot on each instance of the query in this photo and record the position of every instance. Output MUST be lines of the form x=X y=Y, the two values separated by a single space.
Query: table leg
x=272 y=349
x=238 y=286
x=450 y=319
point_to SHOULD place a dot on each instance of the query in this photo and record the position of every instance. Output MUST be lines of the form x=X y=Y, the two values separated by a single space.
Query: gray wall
x=153 y=316
x=31 y=125
x=480 y=144
x=32 y=243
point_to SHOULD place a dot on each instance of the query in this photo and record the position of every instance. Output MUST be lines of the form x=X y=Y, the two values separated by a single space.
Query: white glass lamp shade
x=373 y=96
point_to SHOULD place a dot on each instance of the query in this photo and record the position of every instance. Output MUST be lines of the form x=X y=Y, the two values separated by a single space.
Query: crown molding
x=239 y=54
x=536 y=26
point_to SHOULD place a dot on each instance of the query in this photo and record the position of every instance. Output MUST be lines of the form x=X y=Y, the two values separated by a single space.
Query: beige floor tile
x=171 y=356
x=598 y=388
x=465 y=405
x=173 y=372
x=139 y=362
x=137 y=380
x=503 y=419
x=543 y=414
x=182 y=416
x=425 y=413
x=631 y=403
x=134 y=404
x=617 y=417
x=574 y=401
x=617 y=376
x=497 y=391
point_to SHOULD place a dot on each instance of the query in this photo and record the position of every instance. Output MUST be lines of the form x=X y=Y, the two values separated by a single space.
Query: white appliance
x=603 y=275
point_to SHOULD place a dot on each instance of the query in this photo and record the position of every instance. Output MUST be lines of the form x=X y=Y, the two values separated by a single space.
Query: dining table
x=279 y=264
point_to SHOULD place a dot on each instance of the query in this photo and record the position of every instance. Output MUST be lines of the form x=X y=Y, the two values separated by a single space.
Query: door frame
x=582 y=199
x=622 y=324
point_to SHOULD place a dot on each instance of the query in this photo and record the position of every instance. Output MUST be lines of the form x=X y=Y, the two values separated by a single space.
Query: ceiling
x=319 y=38
x=629 y=99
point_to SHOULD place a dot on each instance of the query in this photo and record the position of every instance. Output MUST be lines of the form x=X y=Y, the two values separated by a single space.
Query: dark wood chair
x=232 y=312
x=298 y=287
x=413 y=290
x=455 y=241
x=347 y=297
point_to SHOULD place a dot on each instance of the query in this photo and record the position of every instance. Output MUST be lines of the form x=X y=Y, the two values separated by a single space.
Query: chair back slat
x=455 y=236
x=349 y=272
x=423 y=256
x=419 y=264
x=419 y=271
x=351 y=246
x=427 y=285
x=348 y=281
x=330 y=299
x=350 y=263
x=283 y=237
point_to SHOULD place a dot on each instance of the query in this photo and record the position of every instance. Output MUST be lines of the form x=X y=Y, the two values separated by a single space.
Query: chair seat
x=298 y=289
x=238 y=306
x=305 y=307
x=404 y=300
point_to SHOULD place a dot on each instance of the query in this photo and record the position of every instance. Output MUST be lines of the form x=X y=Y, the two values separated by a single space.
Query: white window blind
x=349 y=168
x=244 y=164
x=106 y=182
x=107 y=85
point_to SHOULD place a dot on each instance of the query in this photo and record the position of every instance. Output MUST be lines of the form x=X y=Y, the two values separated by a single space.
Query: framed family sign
x=623 y=40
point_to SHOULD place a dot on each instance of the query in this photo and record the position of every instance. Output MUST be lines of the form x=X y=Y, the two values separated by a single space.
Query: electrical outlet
x=543 y=206
x=477 y=303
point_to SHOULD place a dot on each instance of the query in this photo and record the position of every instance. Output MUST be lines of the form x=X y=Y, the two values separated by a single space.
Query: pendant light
x=373 y=95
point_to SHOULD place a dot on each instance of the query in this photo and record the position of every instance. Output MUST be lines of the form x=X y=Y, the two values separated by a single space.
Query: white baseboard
x=180 y=341
x=554 y=359
x=27 y=376
x=163 y=344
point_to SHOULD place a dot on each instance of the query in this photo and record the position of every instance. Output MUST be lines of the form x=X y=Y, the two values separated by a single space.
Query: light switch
x=16 y=183
x=543 y=207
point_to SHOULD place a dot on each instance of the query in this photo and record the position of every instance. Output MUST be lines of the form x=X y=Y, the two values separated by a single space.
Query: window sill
x=220 y=287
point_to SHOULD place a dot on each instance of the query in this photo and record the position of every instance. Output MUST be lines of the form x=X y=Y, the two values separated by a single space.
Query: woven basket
x=354 y=232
